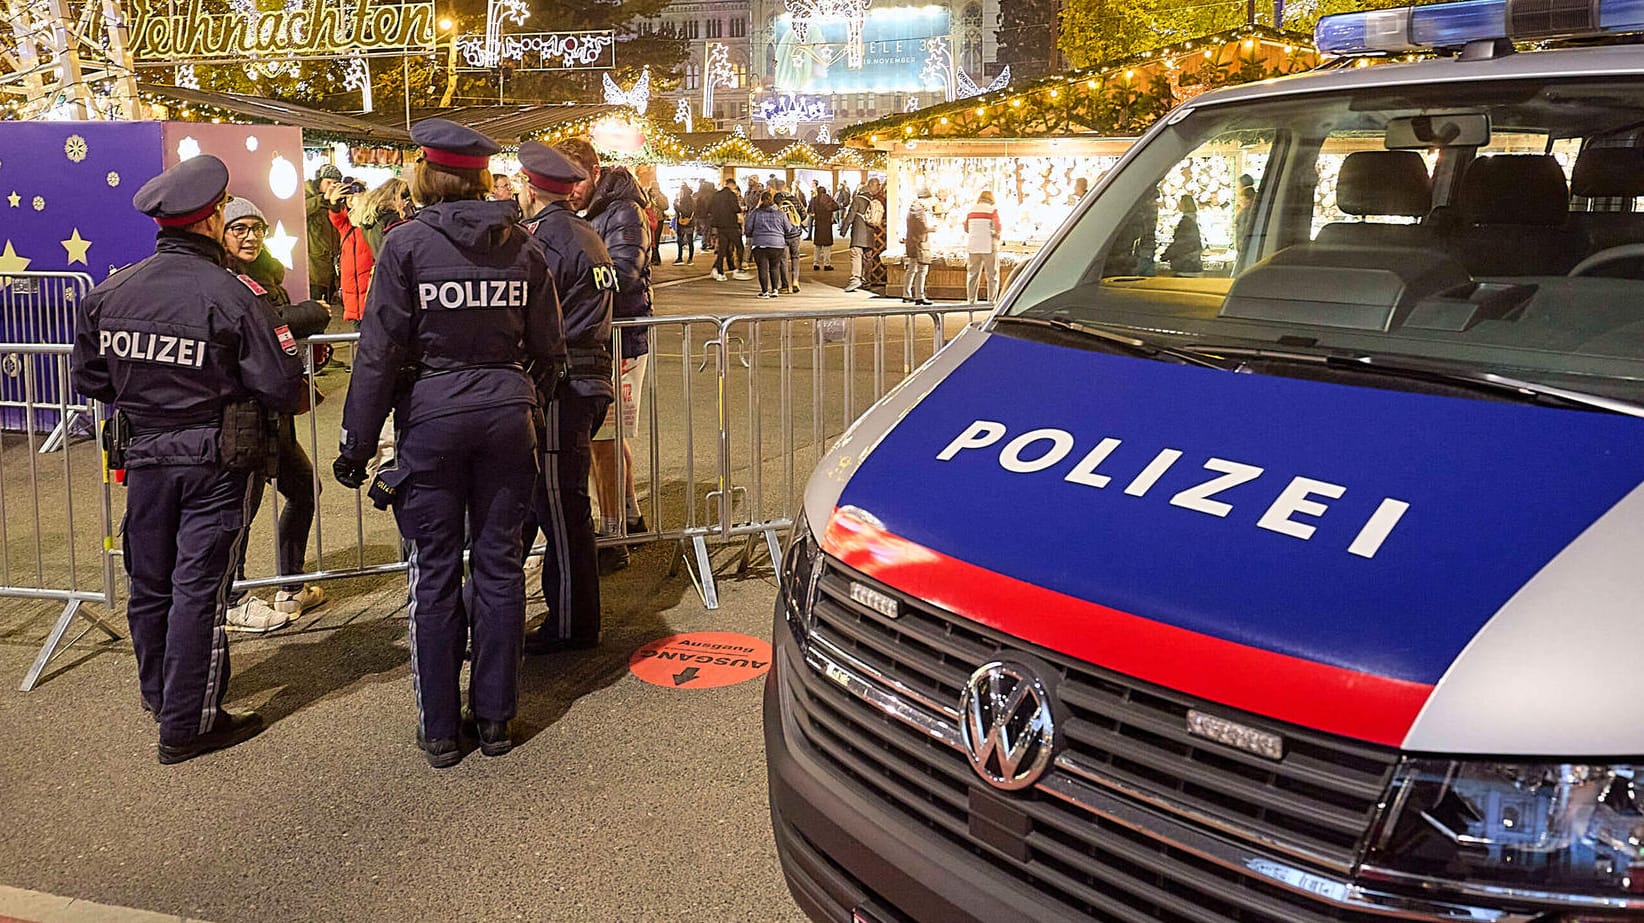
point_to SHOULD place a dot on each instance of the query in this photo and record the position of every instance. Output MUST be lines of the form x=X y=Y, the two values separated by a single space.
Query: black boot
x=231 y=729
x=442 y=752
x=540 y=642
x=494 y=737
x=611 y=559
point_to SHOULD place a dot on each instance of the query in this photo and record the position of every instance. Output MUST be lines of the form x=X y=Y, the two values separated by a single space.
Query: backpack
x=791 y=209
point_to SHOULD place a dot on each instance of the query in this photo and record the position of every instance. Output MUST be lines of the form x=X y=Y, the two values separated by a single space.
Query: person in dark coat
x=324 y=246
x=701 y=216
x=684 y=225
x=1186 y=250
x=587 y=283
x=822 y=210
x=193 y=362
x=726 y=210
x=462 y=332
x=615 y=206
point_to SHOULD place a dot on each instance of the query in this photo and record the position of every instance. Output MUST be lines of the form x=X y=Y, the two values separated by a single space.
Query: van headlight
x=798 y=578
x=1564 y=833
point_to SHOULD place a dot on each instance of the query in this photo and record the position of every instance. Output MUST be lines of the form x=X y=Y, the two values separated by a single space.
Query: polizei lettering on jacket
x=472 y=293
x=152 y=347
x=1103 y=465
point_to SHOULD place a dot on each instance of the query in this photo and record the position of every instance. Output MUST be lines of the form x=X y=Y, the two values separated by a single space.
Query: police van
x=1303 y=585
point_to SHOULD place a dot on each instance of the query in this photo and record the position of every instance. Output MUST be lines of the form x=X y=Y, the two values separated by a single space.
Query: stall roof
x=260 y=109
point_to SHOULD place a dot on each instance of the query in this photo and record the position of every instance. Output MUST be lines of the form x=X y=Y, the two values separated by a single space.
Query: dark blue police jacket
x=461 y=305
x=586 y=282
x=172 y=339
x=618 y=214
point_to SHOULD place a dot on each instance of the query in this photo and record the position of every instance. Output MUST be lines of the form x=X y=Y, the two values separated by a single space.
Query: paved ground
x=625 y=801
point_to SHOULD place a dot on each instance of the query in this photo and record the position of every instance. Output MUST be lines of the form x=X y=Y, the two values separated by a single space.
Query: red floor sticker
x=701 y=659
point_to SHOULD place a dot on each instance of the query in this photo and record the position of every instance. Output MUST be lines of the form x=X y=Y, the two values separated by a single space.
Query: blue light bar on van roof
x=1452 y=25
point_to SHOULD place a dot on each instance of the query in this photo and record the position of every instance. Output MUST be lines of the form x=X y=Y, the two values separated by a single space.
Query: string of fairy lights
x=1050 y=105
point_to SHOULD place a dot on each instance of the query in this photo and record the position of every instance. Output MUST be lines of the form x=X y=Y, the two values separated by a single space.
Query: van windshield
x=1496 y=227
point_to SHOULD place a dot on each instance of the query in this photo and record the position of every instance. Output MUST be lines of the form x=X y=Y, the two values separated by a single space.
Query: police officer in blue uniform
x=195 y=365
x=586 y=280
x=461 y=331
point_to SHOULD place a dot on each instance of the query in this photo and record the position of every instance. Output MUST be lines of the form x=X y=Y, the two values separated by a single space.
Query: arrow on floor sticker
x=684 y=676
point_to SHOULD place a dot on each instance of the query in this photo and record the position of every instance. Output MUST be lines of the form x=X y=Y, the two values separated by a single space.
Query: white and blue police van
x=1303 y=585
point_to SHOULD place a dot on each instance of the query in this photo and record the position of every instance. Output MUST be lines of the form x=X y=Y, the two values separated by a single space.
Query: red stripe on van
x=1360 y=705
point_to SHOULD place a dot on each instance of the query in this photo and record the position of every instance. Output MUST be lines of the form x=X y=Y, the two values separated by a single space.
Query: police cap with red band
x=187 y=193
x=548 y=169
x=447 y=144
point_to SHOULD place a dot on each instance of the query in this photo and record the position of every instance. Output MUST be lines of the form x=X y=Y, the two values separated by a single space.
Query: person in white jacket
x=982 y=227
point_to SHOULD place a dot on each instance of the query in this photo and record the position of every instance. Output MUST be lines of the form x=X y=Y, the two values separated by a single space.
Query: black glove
x=348 y=472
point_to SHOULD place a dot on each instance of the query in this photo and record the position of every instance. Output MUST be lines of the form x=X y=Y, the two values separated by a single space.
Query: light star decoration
x=14 y=199
x=76 y=247
x=11 y=262
x=281 y=244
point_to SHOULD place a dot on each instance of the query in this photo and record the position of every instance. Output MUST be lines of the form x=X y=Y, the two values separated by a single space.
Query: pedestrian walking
x=615 y=206
x=982 y=230
x=792 y=207
x=586 y=281
x=726 y=211
x=769 y=231
x=865 y=215
x=462 y=312
x=244 y=230
x=822 y=210
x=700 y=216
x=193 y=363
x=684 y=225
x=323 y=242
x=917 y=243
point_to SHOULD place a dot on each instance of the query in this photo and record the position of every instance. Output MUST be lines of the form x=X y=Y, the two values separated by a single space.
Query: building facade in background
x=803 y=69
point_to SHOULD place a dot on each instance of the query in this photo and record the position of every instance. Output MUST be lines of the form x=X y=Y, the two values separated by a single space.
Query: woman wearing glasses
x=244 y=230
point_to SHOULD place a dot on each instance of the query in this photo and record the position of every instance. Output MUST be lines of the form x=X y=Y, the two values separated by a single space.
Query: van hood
x=1434 y=573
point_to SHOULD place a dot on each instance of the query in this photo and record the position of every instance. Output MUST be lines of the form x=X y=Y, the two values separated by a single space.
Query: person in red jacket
x=354 y=266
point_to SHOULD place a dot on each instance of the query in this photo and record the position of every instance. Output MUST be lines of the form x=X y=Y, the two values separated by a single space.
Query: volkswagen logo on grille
x=1006 y=724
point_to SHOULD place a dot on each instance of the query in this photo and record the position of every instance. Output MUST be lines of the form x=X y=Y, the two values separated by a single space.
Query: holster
x=116 y=438
x=247 y=439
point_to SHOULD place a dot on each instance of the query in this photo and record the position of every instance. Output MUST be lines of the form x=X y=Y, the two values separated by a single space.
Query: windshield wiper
x=1146 y=349
x=1489 y=381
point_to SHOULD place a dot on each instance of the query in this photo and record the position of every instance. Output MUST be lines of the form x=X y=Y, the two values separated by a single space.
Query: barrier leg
x=703 y=574
x=53 y=640
x=774 y=546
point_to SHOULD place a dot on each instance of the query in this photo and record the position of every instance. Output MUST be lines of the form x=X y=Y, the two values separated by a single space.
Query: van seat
x=1380 y=183
x=1515 y=211
x=1611 y=173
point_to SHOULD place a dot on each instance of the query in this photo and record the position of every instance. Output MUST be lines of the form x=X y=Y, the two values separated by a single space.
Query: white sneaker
x=256 y=616
x=719 y=276
x=742 y=275
x=853 y=285
x=295 y=604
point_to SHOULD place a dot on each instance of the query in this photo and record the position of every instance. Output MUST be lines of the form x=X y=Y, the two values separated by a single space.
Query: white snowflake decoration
x=639 y=96
x=75 y=148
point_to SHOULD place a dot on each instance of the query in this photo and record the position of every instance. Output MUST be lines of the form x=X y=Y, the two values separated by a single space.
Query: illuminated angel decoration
x=803 y=13
x=639 y=96
x=823 y=136
x=968 y=87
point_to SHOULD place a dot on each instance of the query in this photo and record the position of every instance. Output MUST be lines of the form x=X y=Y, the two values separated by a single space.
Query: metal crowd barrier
x=39 y=307
x=786 y=385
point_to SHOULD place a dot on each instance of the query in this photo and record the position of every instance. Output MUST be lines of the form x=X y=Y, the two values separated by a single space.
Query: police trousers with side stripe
x=570 y=570
x=183 y=539
x=469 y=483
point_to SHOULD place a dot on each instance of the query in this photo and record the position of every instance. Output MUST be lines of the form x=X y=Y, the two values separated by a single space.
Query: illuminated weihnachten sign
x=540 y=51
x=176 y=31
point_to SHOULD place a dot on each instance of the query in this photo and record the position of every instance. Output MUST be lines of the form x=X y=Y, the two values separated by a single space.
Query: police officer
x=195 y=363
x=462 y=312
x=585 y=278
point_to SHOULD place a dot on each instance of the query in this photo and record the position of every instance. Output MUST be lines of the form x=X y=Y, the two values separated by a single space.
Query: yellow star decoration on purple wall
x=76 y=247
x=11 y=262
x=14 y=199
